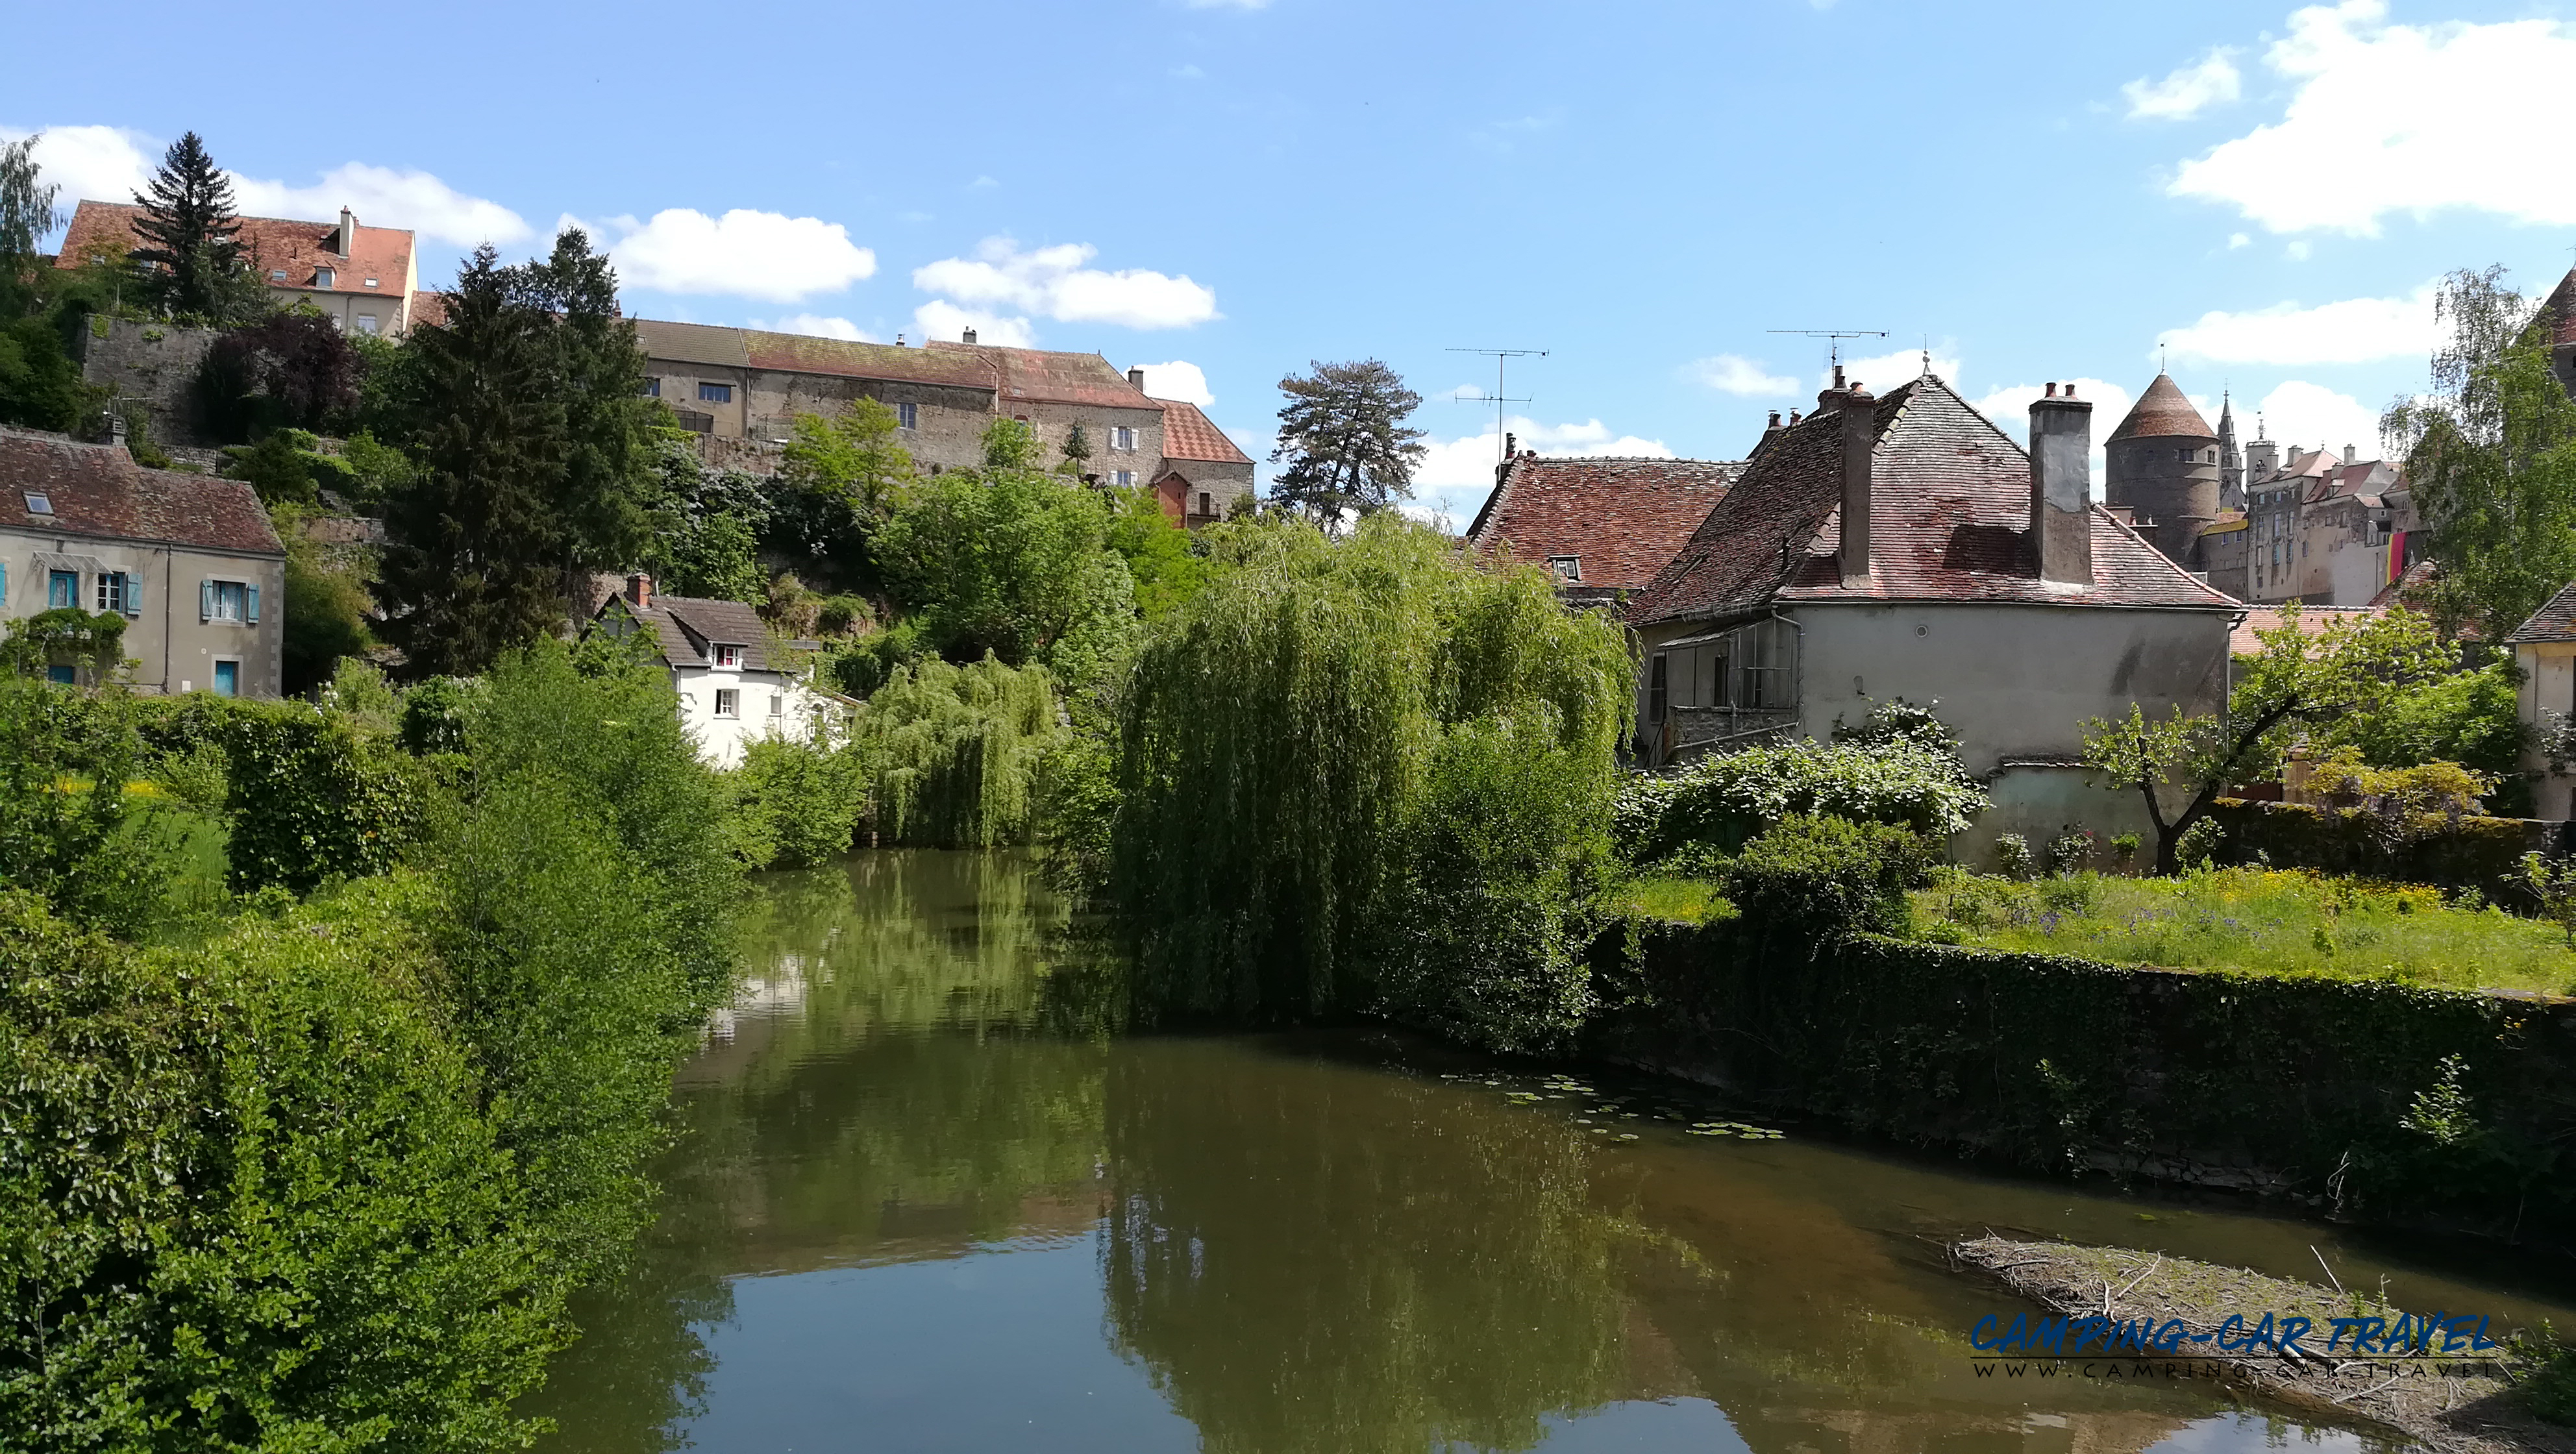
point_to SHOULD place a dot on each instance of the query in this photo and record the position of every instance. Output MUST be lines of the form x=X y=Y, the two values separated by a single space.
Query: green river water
x=919 y=1205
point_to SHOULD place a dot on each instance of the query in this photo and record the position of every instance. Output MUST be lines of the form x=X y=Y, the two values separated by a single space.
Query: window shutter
x=4 y=580
x=205 y=600
x=250 y=604
x=133 y=595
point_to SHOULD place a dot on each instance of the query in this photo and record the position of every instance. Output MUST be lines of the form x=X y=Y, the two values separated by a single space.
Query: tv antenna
x=1836 y=335
x=1500 y=356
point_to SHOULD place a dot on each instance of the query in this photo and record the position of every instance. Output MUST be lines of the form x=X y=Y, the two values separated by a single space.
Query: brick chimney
x=970 y=336
x=1136 y=378
x=1860 y=440
x=639 y=589
x=2061 y=486
x=1832 y=398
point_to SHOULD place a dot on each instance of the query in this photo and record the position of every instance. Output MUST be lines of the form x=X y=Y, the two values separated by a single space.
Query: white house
x=2545 y=648
x=732 y=693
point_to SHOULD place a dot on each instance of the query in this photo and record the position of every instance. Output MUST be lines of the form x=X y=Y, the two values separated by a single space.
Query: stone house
x=1605 y=526
x=2328 y=529
x=2545 y=648
x=1904 y=546
x=191 y=561
x=365 y=279
x=733 y=689
x=1204 y=474
x=741 y=388
x=2226 y=551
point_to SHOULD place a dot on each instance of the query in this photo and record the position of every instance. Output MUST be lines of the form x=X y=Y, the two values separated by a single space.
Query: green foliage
x=837 y=477
x=194 y=267
x=951 y=755
x=92 y=644
x=2069 y=851
x=1809 y=879
x=1162 y=558
x=1899 y=768
x=1012 y=561
x=1288 y=738
x=796 y=803
x=74 y=829
x=40 y=386
x=2472 y=718
x=286 y=468
x=312 y=796
x=2491 y=453
x=293 y=369
x=1343 y=436
x=2199 y=844
x=2553 y=884
x=2549 y=1388
x=328 y=606
x=434 y=714
x=2013 y=858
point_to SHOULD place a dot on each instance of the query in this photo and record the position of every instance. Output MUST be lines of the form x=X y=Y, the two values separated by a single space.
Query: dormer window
x=1567 y=567
x=322 y=277
x=728 y=656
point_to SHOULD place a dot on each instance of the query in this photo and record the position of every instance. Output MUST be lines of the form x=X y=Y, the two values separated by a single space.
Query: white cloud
x=2402 y=118
x=1731 y=374
x=744 y=254
x=2298 y=252
x=384 y=197
x=2210 y=81
x=2357 y=330
x=2308 y=415
x=1052 y=282
x=942 y=319
x=816 y=325
x=110 y=164
x=982 y=182
x=1178 y=379
x=2236 y=240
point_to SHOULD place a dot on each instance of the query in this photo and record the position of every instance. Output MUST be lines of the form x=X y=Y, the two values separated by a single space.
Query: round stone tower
x=2162 y=464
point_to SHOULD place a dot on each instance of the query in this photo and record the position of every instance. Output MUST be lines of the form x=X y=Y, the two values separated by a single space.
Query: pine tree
x=193 y=252
x=1343 y=435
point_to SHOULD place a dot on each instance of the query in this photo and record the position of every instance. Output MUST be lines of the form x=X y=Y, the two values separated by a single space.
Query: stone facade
x=2328 y=530
x=2162 y=465
x=149 y=365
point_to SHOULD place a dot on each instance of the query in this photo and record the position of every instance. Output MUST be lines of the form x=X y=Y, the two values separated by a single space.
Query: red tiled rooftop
x=1622 y=519
x=1189 y=434
x=2162 y=411
x=98 y=492
x=271 y=245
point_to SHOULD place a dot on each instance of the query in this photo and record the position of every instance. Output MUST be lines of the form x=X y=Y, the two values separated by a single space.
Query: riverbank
x=2459 y=1405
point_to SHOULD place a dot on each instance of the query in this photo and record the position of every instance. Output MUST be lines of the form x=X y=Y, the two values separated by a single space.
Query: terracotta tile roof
x=2555 y=621
x=2162 y=411
x=1622 y=519
x=1949 y=521
x=1043 y=377
x=1010 y=374
x=428 y=308
x=2312 y=620
x=275 y=245
x=1189 y=434
x=98 y=492
x=2561 y=308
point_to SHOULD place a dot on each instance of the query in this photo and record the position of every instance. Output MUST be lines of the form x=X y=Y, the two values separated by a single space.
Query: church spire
x=2231 y=463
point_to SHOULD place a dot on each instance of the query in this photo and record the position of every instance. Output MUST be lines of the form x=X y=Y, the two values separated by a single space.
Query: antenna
x=1837 y=335
x=1498 y=355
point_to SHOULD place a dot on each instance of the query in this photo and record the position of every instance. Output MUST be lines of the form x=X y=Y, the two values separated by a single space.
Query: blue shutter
x=4 y=582
x=250 y=604
x=134 y=595
x=205 y=600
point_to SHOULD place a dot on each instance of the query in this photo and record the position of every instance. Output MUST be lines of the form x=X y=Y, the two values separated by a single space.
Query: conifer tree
x=1345 y=441
x=193 y=252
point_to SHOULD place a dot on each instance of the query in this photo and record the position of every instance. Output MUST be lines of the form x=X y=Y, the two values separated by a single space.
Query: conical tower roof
x=2163 y=412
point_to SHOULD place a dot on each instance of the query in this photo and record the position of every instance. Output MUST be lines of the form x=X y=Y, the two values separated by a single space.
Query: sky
x=1225 y=191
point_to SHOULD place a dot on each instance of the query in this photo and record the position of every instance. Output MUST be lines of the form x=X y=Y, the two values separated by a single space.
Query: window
x=322 y=277
x=39 y=504
x=62 y=588
x=277 y=275
x=777 y=704
x=371 y=282
x=232 y=602
x=728 y=657
x=652 y=388
x=118 y=591
x=908 y=415
x=62 y=675
x=367 y=324
x=227 y=679
x=715 y=393
x=1567 y=567
x=728 y=702
x=1656 y=679
x=1122 y=436
x=1123 y=479
x=1205 y=507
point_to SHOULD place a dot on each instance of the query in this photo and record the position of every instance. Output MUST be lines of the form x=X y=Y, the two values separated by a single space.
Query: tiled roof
x=1949 y=521
x=2561 y=309
x=428 y=307
x=2162 y=411
x=98 y=492
x=2312 y=621
x=688 y=628
x=2553 y=622
x=1012 y=374
x=1189 y=434
x=1623 y=519
x=801 y=353
x=1042 y=377
x=273 y=245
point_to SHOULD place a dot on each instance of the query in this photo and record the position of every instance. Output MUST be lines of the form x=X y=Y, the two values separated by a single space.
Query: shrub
x=2070 y=851
x=2124 y=851
x=72 y=829
x=950 y=755
x=796 y=803
x=2200 y=843
x=2013 y=858
x=1894 y=769
x=312 y=795
x=1819 y=878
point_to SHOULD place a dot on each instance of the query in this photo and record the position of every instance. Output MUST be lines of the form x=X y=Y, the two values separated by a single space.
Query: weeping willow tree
x=951 y=753
x=1365 y=774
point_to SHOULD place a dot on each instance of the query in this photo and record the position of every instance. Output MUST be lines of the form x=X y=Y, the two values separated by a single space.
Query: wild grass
x=2266 y=921
x=1673 y=900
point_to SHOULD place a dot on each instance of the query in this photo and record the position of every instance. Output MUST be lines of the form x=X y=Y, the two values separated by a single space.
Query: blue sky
x=1642 y=189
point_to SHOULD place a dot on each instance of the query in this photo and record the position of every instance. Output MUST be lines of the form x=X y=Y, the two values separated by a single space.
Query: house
x=2328 y=529
x=2225 y=552
x=2545 y=648
x=190 y=561
x=1904 y=546
x=1604 y=526
x=2163 y=465
x=732 y=692
x=741 y=389
x=365 y=279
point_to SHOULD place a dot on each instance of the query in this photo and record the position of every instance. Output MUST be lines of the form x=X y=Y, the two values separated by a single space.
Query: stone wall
x=153 y=364
x=2308 y=1089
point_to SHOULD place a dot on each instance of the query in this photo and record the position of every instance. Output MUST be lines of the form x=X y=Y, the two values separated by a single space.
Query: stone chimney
x=970 y=336
x=2351 y=454
x=1511 y=444
x=1136 y=378
x=639 y=590
x=2061 y=486
x=348 y=231
x=1831 y=398
x=1860 y=441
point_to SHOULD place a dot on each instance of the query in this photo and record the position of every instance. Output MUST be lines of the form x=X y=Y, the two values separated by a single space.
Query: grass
x=1674 y=900
x=2268 y=921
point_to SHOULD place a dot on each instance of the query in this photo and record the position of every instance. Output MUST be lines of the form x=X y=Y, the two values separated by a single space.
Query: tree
x=706 y=526
x=327 y=605
x=2299 y=679
x=1076 y=449
x=1343 y=436
x=193 y=252
x=836 y=479
x=2492 y=455
x=26 y=215
x=290 y=370
x=525 y=418
x=39 y=387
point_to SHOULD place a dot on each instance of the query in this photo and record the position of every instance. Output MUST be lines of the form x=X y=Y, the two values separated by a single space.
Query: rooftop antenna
x=1837 y=335
x=1499 y=356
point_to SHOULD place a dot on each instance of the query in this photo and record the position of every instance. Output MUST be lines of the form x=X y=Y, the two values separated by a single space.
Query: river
x=923 y=1203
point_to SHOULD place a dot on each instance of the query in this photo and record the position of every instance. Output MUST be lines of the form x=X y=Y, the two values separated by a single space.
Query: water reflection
x=923 y=1202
